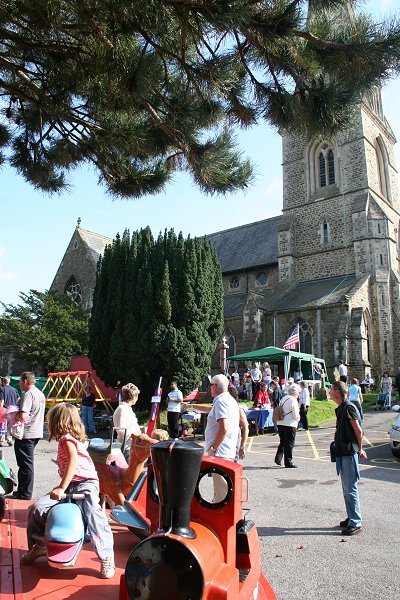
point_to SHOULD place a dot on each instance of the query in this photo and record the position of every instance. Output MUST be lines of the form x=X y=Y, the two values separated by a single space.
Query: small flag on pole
x=293 y=339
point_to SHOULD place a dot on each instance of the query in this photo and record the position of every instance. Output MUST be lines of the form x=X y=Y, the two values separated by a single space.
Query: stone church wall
x=76 y=263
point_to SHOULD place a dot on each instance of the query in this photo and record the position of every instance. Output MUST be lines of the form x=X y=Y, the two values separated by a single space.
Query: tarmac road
x=297 y=511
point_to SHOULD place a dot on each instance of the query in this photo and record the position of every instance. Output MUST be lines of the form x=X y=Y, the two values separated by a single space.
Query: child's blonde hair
x=64 y=418
x=160 y=434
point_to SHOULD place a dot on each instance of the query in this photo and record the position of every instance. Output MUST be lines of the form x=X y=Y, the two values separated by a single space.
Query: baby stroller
x=383 y=401
x=7 y=482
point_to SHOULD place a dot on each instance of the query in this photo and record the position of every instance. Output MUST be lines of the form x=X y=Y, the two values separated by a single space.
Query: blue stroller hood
x=7 y=477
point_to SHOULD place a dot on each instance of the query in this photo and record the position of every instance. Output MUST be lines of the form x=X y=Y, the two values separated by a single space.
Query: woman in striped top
x=78 y=476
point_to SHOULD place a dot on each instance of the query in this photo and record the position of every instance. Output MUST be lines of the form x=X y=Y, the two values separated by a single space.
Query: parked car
x=395 y=435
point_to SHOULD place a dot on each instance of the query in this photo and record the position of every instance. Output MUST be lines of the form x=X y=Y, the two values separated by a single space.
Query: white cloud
x=6 y=275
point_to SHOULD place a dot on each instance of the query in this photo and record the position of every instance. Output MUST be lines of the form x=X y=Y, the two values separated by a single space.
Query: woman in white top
x=287 y=426
x=304 y=399
x=125 y=418
x=355 y=396
x=267 y=374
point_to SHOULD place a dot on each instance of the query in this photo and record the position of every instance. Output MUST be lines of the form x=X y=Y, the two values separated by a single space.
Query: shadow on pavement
x=280 y=531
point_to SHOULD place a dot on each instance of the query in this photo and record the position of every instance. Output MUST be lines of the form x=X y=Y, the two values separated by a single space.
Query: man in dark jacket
x=348 y=448
x=398 y=380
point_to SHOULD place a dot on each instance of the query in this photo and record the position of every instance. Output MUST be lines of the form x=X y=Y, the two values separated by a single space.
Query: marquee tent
x=274 y=355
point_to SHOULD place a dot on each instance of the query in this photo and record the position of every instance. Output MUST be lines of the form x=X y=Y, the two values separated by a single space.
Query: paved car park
x=297 y=512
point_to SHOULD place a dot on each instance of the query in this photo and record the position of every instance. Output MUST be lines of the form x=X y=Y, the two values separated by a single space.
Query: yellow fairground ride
x=69 y=386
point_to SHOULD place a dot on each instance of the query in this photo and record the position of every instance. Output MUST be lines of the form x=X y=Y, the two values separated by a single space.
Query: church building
x=330 y=262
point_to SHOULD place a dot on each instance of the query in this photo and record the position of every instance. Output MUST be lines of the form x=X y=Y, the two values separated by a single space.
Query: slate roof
x=288 y=296
x=95 y=244
x=247 y=246
x=234 y=305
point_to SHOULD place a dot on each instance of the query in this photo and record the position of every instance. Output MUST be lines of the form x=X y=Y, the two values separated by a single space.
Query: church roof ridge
x=223 y=231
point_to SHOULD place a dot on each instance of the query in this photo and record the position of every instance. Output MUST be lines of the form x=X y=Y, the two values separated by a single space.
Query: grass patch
x=320 y=412
x=369 y=402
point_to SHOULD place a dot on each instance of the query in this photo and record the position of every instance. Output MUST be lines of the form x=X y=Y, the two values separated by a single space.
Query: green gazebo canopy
x=272 y=354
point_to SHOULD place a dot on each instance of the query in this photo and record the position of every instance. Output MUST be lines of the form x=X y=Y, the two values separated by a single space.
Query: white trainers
x=107 y=568
x=33 y=554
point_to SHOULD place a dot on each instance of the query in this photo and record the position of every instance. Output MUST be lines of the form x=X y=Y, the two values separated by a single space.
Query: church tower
x=341 y=211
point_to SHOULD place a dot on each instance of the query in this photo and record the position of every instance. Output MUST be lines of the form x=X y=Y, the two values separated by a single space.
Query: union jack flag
x=293 y=339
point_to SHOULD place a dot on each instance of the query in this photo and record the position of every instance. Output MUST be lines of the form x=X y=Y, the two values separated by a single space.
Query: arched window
x=366 y=331
x=306 y=338
x=230 y=341
x=234 y=283
x=325 y=233
x=322 y=170
x=326 y=165
x=381 y=165
x=73 y=290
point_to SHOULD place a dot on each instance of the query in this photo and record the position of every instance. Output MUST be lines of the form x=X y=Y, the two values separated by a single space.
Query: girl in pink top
x=78 y=475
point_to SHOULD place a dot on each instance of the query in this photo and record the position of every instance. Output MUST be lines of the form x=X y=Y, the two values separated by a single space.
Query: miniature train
x=191 y=548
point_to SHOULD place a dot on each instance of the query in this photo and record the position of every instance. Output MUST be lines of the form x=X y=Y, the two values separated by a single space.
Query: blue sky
x=36 y=229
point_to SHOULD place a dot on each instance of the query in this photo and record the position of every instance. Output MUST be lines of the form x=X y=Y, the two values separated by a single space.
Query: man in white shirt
x=222 y=430
x=342 y=371
x=175 y=399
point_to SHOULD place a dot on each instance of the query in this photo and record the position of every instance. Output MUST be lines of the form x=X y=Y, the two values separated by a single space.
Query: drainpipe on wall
x=319 y=346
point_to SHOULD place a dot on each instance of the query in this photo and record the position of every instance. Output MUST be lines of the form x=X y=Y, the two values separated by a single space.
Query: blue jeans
x=87 y=418
x=98 y=528
x=357 y=404
x=350 y=474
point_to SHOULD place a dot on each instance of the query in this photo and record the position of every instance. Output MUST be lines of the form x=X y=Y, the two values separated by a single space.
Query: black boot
x=278 y=458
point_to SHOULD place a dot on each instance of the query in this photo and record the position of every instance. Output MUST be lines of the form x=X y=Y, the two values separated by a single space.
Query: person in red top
x=78 y=476
x=262 y=396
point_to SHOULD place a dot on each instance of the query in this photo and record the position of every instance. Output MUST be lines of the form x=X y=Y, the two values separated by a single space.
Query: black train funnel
x=176 y=465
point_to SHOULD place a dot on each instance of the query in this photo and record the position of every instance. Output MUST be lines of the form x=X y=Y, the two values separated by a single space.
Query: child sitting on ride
x=78 y=476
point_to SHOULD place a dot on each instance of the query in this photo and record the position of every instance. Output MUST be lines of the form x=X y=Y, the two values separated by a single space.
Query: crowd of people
x=226 y=434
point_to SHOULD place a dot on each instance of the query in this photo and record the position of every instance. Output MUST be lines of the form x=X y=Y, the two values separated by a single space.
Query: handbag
x=277 y=414
x=332 y=450
x=17 y=430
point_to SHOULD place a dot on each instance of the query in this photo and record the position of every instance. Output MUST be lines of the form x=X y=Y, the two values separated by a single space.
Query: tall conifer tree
x=158 y=310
